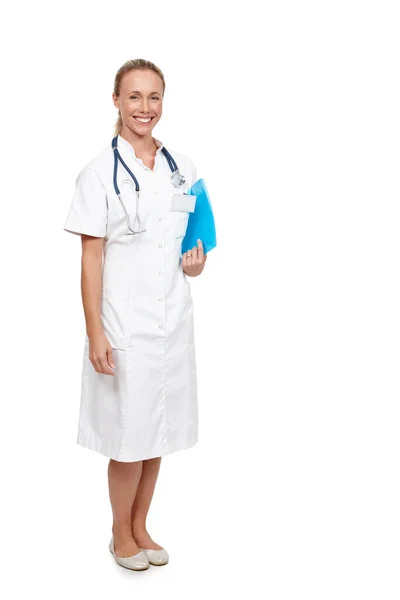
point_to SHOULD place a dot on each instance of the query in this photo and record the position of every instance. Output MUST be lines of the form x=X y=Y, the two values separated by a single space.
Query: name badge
x=183 y=202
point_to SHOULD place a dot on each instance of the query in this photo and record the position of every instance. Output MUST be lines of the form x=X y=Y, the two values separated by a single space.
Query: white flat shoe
x=157 y=557
x=137 y=562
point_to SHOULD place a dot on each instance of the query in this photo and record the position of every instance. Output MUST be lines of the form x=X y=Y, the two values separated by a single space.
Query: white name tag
x=183 y=202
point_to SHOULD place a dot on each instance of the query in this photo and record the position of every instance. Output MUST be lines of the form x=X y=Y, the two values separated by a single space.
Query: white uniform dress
x=149 y=407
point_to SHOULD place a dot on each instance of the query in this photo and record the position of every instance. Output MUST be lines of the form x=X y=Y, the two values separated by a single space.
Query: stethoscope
x=176 y=178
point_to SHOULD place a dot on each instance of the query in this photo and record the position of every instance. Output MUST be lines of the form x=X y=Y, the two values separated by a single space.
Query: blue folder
x=201 y=224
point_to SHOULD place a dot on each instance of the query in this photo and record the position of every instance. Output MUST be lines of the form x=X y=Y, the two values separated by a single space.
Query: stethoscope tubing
x=117 y=157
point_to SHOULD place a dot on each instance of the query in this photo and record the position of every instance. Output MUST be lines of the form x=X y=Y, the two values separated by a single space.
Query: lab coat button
x=160 y=299
x=160 y=218
x=160 y=245
x=160 y=326
x=160 y=272
x=157 y=193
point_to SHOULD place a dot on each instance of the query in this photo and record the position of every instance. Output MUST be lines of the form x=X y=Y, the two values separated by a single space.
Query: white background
x=290 y=111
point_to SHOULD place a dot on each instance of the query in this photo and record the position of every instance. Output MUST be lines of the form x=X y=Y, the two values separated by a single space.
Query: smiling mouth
x=144 y=120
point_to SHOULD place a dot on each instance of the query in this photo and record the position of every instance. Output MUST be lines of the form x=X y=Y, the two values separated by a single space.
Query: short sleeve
x=88 y=210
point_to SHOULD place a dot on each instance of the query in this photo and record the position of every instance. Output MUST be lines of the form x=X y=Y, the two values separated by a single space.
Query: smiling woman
x=141 y=103
x=139 y=383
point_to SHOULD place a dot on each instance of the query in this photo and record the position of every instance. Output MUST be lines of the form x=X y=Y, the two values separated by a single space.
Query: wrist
x=94 y=330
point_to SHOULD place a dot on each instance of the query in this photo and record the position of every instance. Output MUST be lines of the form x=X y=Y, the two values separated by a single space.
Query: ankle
x=121 y=530
x=138 y=529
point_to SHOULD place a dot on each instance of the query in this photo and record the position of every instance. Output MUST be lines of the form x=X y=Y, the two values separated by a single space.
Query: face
x=140 y=101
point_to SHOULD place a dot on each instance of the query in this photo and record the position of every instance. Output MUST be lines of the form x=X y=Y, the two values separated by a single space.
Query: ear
x=115 y=100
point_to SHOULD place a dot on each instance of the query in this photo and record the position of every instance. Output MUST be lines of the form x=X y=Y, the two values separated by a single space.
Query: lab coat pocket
x=104 y=401
x=181 y=207
x=180 y=221
x=115 y=313
x=115 y=209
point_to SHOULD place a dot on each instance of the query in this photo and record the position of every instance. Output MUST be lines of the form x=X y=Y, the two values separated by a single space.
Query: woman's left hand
x=193 y=260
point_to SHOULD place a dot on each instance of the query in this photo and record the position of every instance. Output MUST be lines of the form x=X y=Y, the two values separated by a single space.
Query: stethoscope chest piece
x=177 y=179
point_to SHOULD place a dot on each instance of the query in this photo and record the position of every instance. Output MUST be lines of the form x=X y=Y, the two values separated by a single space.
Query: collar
x=122 y=142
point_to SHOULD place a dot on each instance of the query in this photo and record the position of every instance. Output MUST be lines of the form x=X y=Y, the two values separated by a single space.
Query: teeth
x=143 y=120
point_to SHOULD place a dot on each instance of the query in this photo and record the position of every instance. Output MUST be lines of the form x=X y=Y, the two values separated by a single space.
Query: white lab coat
x=149 y=407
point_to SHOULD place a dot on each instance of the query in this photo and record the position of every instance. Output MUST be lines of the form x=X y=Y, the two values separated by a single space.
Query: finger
x=200 y=250
x=105 y=368
x=194 y=255
x=189 y=257
x=110 y=358
x=96 y=364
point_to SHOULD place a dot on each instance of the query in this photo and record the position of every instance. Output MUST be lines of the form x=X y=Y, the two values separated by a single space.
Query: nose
x=144 y=106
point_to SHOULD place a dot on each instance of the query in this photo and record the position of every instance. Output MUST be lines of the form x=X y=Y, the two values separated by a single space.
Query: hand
x=100 y=354
x=193 y=260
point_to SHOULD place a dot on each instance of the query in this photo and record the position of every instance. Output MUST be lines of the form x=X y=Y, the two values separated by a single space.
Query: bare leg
x=123 y=479
x=142 y=503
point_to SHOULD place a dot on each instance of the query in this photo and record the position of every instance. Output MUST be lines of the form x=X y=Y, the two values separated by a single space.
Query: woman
x=139 y=387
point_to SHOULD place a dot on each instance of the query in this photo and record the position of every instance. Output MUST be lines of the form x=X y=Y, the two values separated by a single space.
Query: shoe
x=137 y=562
x=157 y=557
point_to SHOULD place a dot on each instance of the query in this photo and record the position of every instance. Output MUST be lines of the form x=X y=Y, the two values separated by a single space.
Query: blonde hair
x=131 y=65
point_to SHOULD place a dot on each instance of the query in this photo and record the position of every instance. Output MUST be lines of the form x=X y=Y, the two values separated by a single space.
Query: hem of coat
x=126 y=457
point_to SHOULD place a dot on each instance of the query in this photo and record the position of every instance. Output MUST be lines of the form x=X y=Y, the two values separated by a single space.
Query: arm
x=100 y=350
x=87 y=218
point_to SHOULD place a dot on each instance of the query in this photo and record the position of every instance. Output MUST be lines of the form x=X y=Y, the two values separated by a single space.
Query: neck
x=141 y=144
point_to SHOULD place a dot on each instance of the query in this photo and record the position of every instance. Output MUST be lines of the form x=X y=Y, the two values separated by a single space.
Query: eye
x=133 y=96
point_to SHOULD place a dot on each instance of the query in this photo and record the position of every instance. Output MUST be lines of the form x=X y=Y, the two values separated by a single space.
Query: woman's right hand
x=100 y=354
